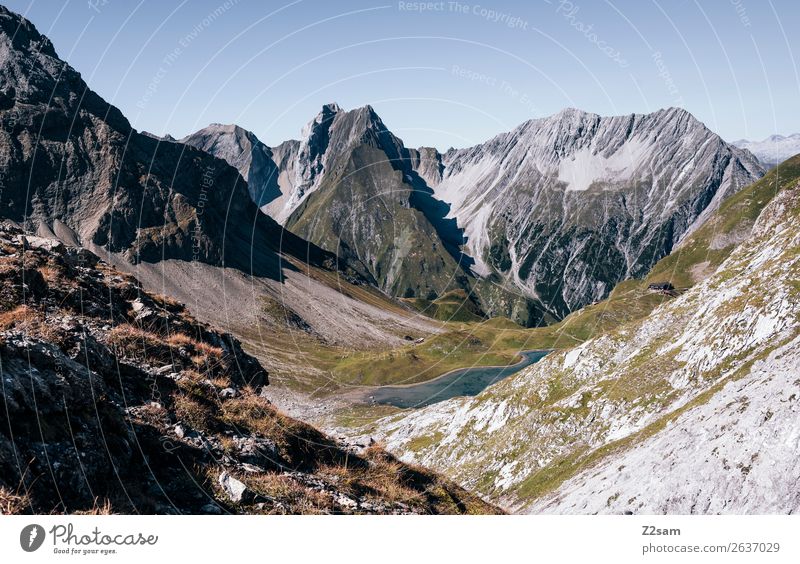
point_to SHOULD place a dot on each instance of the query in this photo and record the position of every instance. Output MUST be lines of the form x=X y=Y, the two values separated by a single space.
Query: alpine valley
x=208 y=324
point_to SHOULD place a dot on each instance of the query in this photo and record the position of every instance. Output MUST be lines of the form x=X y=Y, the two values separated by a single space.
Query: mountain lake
x=462 y=382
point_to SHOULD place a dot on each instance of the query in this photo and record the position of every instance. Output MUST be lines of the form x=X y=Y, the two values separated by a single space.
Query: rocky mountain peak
x=571 y=116
x=75 y=168
x=25 y=35
x=322 y=120
x=632 y=185
x=243 y=150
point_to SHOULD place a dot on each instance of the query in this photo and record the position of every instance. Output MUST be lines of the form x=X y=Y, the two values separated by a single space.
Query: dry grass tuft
x=382 y=480
x=12 y=503
x=30 y=321
x=103 y=508
x=177 y=340
x=194 y=413
x=299 y=443
x=167 y=302
x=133 y=341
x=289 y=496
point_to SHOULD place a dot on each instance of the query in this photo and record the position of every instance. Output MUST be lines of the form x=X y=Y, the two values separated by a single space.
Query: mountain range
x=533 y=224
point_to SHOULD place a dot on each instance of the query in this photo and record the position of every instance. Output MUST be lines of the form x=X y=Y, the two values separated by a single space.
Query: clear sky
x=451 y=74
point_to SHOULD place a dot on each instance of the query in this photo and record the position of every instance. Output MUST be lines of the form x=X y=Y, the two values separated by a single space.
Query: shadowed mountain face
x=74 y=167
x=350 y=187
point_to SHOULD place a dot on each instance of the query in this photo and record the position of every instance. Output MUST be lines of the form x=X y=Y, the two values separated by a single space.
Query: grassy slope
x=493 y=342
x=452 y=306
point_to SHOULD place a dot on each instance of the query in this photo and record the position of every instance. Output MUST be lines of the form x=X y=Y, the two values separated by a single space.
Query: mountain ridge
x=89 y=178
x=543 y=219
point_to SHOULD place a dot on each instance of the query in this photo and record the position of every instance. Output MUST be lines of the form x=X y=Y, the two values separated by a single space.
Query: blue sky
x=452 y=74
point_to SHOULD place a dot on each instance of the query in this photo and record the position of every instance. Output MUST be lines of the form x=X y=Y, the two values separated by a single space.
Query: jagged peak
x=332 y=107
x=23 y=34
x=363 y=118
x=324 y=118
x=572 y=113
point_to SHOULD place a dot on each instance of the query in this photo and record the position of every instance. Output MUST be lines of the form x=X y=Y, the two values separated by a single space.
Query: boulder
x=234 y=489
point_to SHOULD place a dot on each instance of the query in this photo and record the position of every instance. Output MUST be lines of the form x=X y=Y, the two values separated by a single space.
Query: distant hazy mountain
x=772 y=150
x=536 y=222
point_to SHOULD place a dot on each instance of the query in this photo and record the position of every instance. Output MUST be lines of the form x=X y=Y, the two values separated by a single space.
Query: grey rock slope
x=772 y=150
x=564 y=207
x=243 y=150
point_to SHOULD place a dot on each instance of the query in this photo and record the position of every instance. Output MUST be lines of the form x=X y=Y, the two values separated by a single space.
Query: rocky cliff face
x=606 y=426
x=242 y=150
x=563 y=208
x=353 y=191
x=75 y=165
x=349 y=186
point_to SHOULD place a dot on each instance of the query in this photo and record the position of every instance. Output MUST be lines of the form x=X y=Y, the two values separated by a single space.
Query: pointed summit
x=323 y=119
